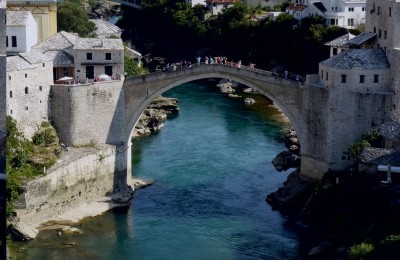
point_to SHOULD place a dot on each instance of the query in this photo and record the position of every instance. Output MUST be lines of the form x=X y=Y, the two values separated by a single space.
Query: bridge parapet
x=243 y=72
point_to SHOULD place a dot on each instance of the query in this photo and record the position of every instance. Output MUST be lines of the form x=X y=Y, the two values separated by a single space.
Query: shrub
x=359 y=251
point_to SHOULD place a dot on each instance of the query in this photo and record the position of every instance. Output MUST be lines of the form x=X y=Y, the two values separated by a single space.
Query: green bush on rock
x=25 y=159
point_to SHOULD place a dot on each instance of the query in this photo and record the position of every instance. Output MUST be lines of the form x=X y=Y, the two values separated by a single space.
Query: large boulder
x=226 y=87
x=290 y=198
x=285 y=160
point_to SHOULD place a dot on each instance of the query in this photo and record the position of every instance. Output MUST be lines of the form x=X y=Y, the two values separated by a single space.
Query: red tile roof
x=296 y=7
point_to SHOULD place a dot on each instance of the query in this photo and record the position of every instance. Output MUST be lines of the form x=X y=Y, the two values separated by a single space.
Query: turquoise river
x=213 y=170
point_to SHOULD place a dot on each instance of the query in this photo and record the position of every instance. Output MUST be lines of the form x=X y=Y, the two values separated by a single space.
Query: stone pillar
x=123 y=167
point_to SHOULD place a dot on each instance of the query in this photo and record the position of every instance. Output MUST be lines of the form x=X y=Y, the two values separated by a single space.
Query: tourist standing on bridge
x=198 y=60
x=239 y=64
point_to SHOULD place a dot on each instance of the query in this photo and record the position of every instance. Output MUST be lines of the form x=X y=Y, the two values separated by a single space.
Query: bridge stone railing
x=243 y=71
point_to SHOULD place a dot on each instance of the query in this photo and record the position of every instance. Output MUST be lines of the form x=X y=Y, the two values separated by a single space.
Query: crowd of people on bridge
x=224 y=61
x=206 y=60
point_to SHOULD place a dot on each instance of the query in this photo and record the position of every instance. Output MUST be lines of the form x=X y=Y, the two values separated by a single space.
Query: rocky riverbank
x=155 y=114
x=102 y=9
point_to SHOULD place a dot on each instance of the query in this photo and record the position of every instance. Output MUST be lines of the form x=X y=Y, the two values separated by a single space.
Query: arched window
x=10 y=93
x=26 y=90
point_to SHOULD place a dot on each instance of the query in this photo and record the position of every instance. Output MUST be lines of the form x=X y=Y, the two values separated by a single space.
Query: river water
x=213 y=170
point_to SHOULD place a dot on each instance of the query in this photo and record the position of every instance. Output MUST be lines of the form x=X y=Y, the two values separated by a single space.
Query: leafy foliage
x=271 y=43
x=25 y=159
x=132 y=68
x=360 y=251
x=45 y=135
x=72 y=18
x=355 y=149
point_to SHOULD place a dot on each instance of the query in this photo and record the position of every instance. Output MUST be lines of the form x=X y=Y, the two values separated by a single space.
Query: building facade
x=43 y=11
x=29 y=77
x=94 y=57
x=383 y=19
x=344 y=13
x=21 y=33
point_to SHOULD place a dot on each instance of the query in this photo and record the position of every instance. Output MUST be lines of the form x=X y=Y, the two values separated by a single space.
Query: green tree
x=131 y=67
x=72 y=18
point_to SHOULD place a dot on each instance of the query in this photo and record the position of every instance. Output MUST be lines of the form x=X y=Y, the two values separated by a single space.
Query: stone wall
x=335 y=118
x=332 y=78
x=83 y=176
x=387 y=19
x=88 y=113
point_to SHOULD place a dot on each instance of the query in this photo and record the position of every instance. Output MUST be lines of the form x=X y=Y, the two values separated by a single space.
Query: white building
x=347 y=14
x=216 y=6
x=21 y=32
x=196 y=2
x=43 y=11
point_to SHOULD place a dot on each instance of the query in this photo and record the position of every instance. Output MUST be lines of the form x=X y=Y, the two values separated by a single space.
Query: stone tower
x=383 y=18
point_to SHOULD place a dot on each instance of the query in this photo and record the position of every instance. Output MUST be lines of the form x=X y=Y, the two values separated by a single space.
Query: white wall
x=26 y=36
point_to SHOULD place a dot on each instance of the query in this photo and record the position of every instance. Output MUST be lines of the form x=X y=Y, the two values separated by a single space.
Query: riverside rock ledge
x=79 y=185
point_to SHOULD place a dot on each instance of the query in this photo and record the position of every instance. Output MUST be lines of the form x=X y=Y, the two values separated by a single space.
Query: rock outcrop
x=285 y=160
x=292 y=142
x=226 y=87
x=292 y=196
x=154 y=115
x=291 y=158
x=102 y=9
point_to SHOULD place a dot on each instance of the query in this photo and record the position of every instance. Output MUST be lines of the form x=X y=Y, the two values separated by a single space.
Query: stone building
x=339 y=44
x=383 y=19
x=43 y=11
x=83 y=58
x=93 y=57
x=364 y=77
x=29 y=76
x=59 y=46
x=21 y=32
x=106 y=29
x=361 y=70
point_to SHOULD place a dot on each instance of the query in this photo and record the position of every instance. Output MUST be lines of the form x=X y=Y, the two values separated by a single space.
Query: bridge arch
x=139 y=92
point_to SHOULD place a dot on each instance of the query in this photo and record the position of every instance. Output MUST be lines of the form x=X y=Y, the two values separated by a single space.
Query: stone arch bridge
x=326 y=120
